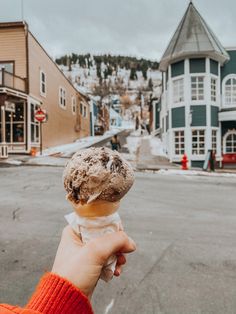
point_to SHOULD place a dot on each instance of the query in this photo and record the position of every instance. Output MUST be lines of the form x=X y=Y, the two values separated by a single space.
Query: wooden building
x=30 y=79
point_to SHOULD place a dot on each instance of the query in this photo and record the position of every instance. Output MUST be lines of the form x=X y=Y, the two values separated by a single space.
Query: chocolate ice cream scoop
x=97 y=174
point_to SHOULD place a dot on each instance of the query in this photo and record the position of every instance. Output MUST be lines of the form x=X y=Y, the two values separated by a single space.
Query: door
x=15 y=124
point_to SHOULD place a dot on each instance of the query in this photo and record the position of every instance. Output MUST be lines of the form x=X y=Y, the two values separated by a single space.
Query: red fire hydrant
x=184 y=162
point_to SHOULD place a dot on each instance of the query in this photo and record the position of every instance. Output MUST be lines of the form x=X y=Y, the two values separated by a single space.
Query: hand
x=82 y=263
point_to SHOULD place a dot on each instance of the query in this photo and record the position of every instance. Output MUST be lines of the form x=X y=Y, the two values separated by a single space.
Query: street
x=184 y=227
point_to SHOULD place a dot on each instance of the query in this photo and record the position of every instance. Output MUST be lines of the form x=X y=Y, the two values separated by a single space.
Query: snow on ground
x=157 y=147
x=68 y=149
x=195 y=173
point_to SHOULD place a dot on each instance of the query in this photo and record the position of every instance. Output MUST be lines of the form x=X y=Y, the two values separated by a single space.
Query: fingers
x=121 y=260
x=113 y=243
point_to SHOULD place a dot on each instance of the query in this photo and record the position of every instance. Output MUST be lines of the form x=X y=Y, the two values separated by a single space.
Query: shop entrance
x=15 y=127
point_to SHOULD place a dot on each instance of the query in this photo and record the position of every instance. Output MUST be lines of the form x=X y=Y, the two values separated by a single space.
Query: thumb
x=112 y=243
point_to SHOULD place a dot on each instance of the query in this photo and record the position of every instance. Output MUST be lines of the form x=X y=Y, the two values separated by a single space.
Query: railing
x=12 y=81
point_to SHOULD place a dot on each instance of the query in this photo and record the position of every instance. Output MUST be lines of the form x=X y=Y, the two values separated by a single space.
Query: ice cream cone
x=97 y=208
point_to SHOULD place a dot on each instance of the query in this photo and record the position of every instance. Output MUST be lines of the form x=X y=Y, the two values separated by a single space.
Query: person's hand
x=82 y=263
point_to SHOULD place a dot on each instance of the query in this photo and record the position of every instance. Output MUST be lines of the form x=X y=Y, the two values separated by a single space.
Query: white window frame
x=62 y=97
x=213 y=89
x=229 y=133
x=232 y=102
x=200 y=150
x=43 y=83
x=214 y=135
x=35 y=124
x=83 y=110
x=179 y=135
x=199 y=97
x=178 y=90
x=73 y=105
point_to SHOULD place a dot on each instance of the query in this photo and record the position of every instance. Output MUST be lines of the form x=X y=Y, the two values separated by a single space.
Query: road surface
x=184 y=226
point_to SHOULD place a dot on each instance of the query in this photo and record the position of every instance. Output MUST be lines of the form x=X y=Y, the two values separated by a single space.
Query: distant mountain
x=108 y=64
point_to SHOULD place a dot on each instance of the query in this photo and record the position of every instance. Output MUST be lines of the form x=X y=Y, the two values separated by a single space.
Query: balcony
x=10 y=80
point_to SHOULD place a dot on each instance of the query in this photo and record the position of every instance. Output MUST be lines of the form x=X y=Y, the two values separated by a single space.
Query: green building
x=197 y=111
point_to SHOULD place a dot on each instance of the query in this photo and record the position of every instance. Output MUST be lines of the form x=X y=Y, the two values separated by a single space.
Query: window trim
x=180 y=142
x=197 y=76
x=41 y=83
x=198 y=143
x=214 y=97
x=216 y=136
x=63 y=97
x=231 y=132
x=228 y=77
x=177 y=79
x=73 y=105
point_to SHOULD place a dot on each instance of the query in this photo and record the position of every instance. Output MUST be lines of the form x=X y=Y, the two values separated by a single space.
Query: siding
x=178 y=117
x=214 y=116
x=198 y=115
x=229 y=67
x=60 y=127
x=177 y=68
x=214 y=67
x=13 y=48
x=198 y=65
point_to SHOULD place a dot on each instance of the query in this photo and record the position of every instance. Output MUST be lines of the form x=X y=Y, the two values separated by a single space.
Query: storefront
x=19 y=130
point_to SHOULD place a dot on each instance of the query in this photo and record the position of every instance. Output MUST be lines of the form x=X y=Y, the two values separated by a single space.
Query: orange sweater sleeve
x=54 y=295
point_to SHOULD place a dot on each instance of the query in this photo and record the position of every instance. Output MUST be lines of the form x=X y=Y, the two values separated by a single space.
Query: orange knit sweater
x=54 y=295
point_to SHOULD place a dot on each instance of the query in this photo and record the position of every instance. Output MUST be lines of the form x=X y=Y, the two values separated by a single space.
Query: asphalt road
x=185 y=228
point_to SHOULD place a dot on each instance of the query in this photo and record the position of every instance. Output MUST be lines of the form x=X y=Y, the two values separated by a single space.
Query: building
x=29 y=79
x=197 y=111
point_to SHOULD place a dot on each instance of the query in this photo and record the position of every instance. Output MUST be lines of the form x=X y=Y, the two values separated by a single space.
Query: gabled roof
x=193 y=38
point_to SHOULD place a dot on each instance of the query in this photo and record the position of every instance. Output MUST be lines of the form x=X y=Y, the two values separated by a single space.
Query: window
x=198 y=142
x=83 y=110
x=214 y=140
x=197 y=87
x=213 y=89
x=73 y=104
x=179 y=142
x=230 y=92
x=34 y=124
x=231 y=143
x=15 y=124
x=62 y=97
x=178 y=90
x=42 y=83
x=7 y=66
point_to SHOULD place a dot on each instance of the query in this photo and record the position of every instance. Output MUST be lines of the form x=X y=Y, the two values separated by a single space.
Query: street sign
x=40 y=115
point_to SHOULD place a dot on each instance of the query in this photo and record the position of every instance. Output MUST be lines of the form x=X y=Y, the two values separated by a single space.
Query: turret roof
x=193 y=38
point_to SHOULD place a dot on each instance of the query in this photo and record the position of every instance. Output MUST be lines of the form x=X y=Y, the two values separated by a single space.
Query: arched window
x=229 y=91
x=230 y=142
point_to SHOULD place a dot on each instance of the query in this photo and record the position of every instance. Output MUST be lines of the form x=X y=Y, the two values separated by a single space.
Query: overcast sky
x=141 y=28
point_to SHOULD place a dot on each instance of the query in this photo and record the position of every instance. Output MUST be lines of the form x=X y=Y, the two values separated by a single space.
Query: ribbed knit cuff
x=57 y=295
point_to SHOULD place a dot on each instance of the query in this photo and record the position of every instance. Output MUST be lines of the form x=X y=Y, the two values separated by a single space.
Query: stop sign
x=40 y=115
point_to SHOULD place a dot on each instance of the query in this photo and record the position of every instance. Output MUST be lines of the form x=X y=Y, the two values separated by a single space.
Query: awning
x=227 y=116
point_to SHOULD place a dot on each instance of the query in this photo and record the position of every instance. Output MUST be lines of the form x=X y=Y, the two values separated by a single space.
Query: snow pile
x=157 y=147
x=67 y=150
x=195 y=173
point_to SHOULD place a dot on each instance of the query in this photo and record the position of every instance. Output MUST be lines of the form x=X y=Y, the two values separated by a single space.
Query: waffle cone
x=96 y=208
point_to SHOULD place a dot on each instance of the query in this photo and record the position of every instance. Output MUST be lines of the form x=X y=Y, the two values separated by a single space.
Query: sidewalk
x=147 y=161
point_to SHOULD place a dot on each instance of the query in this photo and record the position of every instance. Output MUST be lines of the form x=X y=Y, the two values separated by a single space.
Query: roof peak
x=193 y=37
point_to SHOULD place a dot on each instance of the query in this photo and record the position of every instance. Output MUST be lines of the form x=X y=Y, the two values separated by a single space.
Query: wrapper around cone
x=96 y=179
